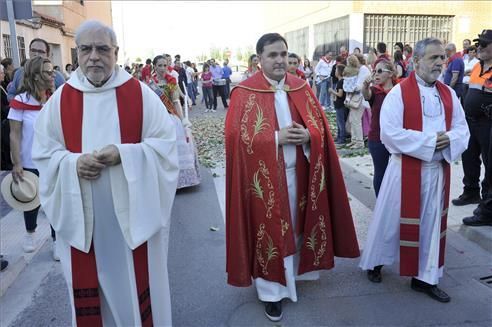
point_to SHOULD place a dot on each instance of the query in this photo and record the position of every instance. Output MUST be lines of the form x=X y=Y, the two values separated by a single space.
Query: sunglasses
x=380 y=71
x=482 y=44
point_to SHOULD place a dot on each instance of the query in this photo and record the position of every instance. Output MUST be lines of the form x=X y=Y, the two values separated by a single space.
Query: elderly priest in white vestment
x=106 y=150
x=423 y=127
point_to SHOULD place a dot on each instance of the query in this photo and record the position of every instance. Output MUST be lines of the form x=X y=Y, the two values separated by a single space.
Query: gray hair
x=451 y=46
x=90 y=25
x=419 y=50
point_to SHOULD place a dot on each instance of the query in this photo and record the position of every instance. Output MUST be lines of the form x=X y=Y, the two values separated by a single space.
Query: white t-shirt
x=189 y=74
x=28 y=118
x=469 y=66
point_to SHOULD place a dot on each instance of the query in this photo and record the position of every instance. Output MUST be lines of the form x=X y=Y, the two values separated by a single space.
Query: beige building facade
x=55 y=22
x=312 y=27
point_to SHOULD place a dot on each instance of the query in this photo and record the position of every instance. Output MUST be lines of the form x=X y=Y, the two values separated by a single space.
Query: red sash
x=411 y=179
x=84 y=273
x=18 y=105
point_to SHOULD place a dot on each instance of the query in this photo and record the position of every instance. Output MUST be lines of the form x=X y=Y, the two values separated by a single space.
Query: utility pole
x=13 y=33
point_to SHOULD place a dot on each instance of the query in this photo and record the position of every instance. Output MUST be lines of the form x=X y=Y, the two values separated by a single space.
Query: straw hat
x=23 y=196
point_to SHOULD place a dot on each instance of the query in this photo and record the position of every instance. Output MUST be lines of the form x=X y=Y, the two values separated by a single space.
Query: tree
x=138 y=59
x=239 y=54
x=216 y=53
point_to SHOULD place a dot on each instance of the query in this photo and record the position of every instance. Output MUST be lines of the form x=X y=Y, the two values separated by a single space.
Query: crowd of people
x=107 y=178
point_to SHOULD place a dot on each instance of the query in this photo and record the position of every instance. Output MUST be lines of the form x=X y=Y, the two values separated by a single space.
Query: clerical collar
x=279 y=85
x=424 y=83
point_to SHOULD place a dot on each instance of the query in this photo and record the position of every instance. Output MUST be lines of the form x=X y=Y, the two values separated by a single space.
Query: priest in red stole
x=424 y=128
x=287 y=212
x=106 y=150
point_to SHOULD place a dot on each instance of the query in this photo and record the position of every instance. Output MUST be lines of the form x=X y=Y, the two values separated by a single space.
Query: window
x=298 y=41
x=404 y=28
x=7 y=46
x=330 y=36
x=73 y=52
x=22 y=48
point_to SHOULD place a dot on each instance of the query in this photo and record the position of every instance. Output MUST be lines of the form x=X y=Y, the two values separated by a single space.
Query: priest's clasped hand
x=89 y=165
x=295 y=134
x=442 y=141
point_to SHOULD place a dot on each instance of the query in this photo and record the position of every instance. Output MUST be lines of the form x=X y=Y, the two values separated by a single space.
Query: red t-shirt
x=146 y=73
x=376 y=101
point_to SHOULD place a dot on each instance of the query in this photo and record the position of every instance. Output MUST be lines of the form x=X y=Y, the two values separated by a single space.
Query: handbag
x=353 y=100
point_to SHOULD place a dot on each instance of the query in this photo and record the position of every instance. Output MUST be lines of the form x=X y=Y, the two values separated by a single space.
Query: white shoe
x=207 y=110
x=214 y=110
x=29 y=245
x=54 y=251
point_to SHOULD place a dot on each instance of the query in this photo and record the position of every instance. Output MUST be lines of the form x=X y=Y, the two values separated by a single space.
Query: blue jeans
x=191 y=92
x=324 y=96
x=31 y=217
x=208 y=96
x=380 y=157
x=341 y=119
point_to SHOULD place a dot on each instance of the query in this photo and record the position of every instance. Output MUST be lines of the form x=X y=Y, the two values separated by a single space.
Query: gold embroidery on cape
x=303 y=202
x=285 y=226
x=317 y=187
x=259 y=124
x=316 y=121
x=312 y=241
x=258 y=191
x=269 y=250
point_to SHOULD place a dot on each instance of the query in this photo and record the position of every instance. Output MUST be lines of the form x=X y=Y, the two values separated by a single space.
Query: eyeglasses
x=432 y=111
x=37 y=51
x=482 y=44
x=380 y=71
x=49 y=72
x=100 y=49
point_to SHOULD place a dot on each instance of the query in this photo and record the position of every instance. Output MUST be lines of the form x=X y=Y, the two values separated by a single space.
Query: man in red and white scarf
x=106 y=150
x=424 y=128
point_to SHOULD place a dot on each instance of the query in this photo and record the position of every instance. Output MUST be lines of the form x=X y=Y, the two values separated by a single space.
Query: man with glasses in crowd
x=106 y=150
x=37 y=48
x=423 y=126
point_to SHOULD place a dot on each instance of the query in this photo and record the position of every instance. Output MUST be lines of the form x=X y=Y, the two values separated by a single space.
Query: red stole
x=84 y=273
x=411 y=179
x=258 y=226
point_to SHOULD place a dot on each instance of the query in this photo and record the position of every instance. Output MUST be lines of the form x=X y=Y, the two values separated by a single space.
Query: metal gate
x=298 y=41
x=407 y=29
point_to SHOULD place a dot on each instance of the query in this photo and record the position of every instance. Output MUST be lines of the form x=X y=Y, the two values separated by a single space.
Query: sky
x=190 y=28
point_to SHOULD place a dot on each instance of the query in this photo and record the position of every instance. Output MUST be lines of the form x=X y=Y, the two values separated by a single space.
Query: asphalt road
x=342 y=297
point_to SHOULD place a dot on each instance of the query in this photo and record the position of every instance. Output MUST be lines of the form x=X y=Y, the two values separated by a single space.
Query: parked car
x=237 y=73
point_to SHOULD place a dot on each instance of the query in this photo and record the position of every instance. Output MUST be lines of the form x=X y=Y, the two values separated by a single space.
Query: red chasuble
x=84 y=272
x=258 y=225
x=411 y=179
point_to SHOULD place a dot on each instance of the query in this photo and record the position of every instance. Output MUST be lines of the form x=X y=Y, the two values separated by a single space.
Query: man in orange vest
x=479 y=100
x=479 y=125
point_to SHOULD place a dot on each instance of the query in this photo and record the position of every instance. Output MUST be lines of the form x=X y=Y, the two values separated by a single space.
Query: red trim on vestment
x=411 y=176
x=84 y=270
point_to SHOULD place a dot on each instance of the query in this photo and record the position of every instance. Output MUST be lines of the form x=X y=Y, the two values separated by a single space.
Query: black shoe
x=477 y=221
x=466 y=198
x=273 y=310
x=375 y=274
x=3 y=264
x=432 y=290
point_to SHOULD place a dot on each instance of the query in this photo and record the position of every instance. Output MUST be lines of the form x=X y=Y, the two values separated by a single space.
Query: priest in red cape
x=105 y=147
x=287 y=211
x=424 y=128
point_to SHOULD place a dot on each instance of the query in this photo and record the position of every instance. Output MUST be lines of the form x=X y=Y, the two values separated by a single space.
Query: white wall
x=356 y=32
